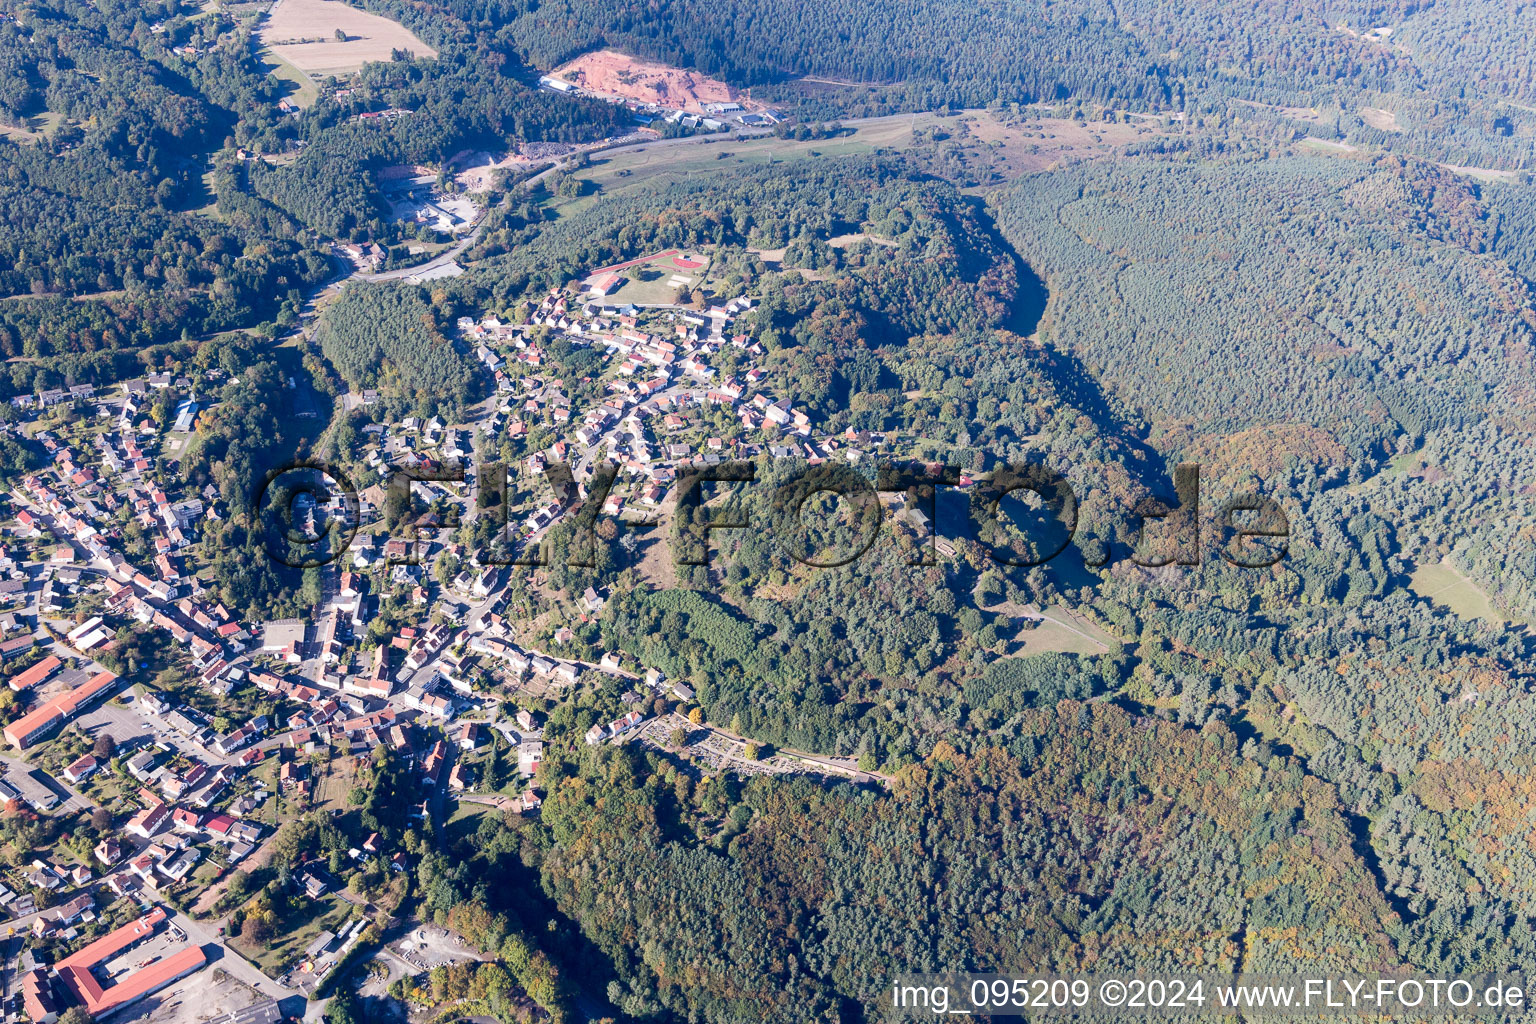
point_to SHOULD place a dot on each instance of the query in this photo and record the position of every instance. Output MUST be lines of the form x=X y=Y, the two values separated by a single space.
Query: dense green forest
x=1228 y=335
x=388 y=336
x=463 y=99
x=98 y=208
x=251 y=432
x=724 y=901
x=1384 y=329
x=120 y=190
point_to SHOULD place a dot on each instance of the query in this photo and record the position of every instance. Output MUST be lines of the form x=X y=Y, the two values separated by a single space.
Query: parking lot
x=125 y=725
x=162 y=944
x=195 y=999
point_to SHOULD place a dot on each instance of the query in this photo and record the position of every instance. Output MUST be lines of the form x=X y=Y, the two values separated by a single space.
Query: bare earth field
x=480 y=169
x=615 y=74
x=303 y=33
x=1482 y=173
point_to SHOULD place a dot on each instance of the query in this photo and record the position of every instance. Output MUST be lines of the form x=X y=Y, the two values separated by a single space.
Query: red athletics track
x=631 y=263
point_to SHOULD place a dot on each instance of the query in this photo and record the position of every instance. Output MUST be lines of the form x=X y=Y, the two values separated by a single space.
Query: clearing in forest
x=994 y=147
x=304 y=33
x=305 y=91
x=1441 y=583
x=1376 y=117
x=35 y=128
x=1066 y=631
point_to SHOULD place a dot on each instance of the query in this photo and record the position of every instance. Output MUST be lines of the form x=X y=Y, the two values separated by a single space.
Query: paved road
x=469 y=240
x=842 y=765
x=220 y=955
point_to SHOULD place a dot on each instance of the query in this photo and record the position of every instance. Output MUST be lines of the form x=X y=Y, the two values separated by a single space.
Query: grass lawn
x=1067 y=632
x=206 y=874
x=108 y=789
x=677 y=162
x=308 y=919
x=211 y=208
x=464 y=820
x=333 y=782
x=37 y=127
x=644 y=292
x=305 y=92
x=659 y=287
x=1402 y=463
x=1442 y=584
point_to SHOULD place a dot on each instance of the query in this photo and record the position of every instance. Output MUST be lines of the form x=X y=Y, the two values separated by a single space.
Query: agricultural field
x=304 y=33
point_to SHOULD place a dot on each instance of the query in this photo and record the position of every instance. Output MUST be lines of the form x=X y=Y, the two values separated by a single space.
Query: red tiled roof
x=37 y=996
x=114 y=942
x=36 y=674
x=62 y=706
x=75 y=970
x=137 y=985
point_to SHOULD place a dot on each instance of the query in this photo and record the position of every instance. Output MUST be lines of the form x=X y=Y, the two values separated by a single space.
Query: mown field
x=1441 y=583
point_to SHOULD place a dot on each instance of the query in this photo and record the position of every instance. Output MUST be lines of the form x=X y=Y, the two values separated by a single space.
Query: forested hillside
x=946 y=271
x=810 y=896
x=1444 y=79
x=97 y=209
x=120 y=189
x=463 y=99
x=1223 y=296
x=1287 y=276
x=1355 y=297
